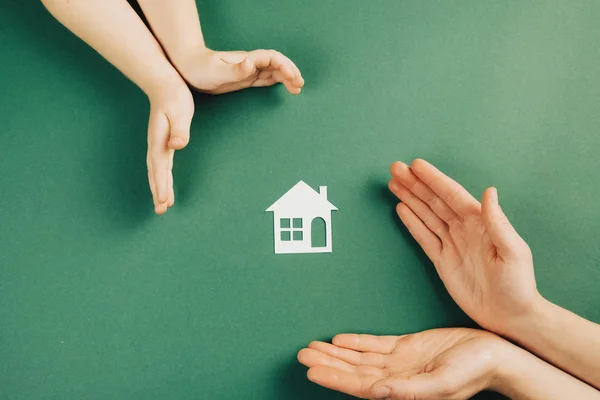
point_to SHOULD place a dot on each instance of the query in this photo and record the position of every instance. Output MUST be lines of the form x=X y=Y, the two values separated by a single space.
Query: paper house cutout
x=294 y=215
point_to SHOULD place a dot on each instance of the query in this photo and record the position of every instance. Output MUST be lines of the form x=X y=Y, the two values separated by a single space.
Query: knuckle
x=452 y=195
x=434 y=203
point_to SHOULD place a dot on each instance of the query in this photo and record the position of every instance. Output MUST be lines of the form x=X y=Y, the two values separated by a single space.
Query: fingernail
x=381 y=392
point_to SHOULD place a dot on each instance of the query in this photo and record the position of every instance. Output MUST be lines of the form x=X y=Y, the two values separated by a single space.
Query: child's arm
x=177 y=25
x=488 y=268
x=113 y=29
x=451 y=363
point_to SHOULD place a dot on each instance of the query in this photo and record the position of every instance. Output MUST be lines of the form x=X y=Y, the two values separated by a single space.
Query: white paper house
x=294 y=215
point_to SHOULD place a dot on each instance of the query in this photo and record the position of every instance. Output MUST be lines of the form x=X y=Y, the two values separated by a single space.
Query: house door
x=318 y=233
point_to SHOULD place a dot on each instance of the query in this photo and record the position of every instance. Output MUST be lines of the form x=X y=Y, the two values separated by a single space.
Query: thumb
x=238 y=71
x=502 y=233
x=180 y=133
x=422 y=386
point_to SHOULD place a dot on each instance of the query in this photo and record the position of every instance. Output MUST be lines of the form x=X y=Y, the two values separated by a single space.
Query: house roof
x=302 y=197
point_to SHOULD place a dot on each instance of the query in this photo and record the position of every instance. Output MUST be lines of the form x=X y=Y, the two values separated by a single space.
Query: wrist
x=163 y=86
x=184 y=54
x=511 y=367
x=536 y=315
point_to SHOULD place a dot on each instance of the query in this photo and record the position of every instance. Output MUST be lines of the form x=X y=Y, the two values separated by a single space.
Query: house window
x=291 y=229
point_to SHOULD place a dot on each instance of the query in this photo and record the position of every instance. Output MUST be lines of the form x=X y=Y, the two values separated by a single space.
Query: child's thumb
x=502 y=233
x=180 y=134
x=238 y=72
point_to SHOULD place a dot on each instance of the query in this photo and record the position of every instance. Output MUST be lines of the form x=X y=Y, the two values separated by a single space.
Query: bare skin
x=113 y=29
x=453 y=363
x=488 y=270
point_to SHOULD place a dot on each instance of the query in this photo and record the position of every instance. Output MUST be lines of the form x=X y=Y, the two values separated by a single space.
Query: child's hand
x=171 y=112
x=219 y=72
x=434 y=364
x=483 y=262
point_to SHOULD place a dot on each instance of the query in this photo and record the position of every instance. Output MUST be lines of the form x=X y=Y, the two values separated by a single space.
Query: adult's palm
x=436 y=364
x=485 y=265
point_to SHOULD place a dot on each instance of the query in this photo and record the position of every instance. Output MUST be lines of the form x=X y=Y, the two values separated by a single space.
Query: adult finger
x=501 y=232
x=346 y=382
x=451 y=192
x=405 y=176
x=429 y=242
x=312 y=357
x=421 y=210
x=370 y=343
x=350 y=356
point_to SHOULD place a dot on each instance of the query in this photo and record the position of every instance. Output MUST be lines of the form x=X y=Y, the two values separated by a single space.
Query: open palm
x=436 y=364
x=483 y=262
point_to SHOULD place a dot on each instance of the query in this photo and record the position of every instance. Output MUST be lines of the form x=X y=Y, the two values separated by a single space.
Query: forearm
x=115 y=31
x=176 y=24
x=523 y=376
x=566 y=340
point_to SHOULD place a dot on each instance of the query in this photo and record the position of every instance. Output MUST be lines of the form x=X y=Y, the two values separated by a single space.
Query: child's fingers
x=264 y=78
x=158 y=133
x=278 y=76
x=429 y=242
x=159 y=208
x=298 y=80
x=262 y=82
x=151 y=184
x=160 y=169
x=171 y=199
x=272 y=59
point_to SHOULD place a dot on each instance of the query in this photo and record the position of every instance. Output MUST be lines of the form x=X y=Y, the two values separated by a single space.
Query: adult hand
x=436 y=364
x=485 y=265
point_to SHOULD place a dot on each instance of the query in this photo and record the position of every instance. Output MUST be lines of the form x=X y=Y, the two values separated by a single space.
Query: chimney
x=323 y=191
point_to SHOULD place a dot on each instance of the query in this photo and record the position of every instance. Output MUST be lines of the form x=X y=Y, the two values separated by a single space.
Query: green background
x=99 y=298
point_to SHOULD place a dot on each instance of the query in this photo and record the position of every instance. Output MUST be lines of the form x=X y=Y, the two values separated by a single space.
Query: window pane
x=297 y=235
x=284 y=223
x=285 y=236
x=297 y=222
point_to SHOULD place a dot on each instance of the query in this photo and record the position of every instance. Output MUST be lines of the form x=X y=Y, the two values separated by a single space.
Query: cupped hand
x=485 y=265
x=437 y=364
x=171 y=112
x=217 y=72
